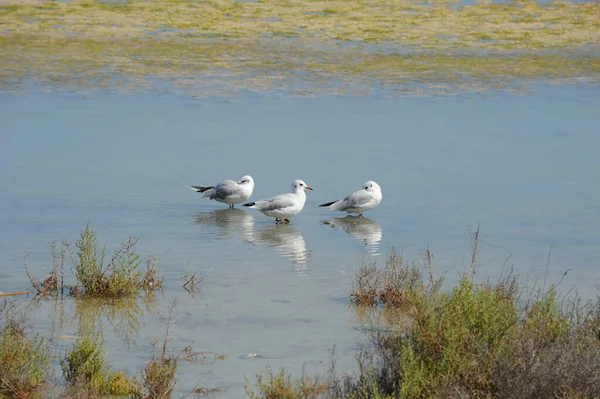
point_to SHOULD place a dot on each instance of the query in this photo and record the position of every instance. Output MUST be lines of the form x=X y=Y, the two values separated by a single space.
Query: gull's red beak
x=309 y=188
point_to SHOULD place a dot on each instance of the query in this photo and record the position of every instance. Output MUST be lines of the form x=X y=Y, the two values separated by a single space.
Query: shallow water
x=524 y=166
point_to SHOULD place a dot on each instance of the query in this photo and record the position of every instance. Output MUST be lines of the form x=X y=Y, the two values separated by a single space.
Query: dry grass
x=191 y=283
x=53 y=284
x=158 y=377
x=395 y=285
x=281 y=385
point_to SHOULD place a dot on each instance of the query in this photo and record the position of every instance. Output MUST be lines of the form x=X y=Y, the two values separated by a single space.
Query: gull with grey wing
x=228 y=191
x=283 y=206
x=359 y=201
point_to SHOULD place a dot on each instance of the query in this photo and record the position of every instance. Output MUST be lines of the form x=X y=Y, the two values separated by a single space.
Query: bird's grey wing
x=225 y=190
x=357 y=199
x=279 y=202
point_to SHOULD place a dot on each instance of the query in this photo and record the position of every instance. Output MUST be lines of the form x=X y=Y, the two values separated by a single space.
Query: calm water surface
x=523 y=166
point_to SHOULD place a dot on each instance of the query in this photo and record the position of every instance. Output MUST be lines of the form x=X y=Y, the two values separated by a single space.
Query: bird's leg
x=230 y=206
x=286 y=221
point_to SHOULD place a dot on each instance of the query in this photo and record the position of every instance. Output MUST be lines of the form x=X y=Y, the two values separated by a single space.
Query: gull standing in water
x=228 y=191
x=360 y=201
x=283 y=206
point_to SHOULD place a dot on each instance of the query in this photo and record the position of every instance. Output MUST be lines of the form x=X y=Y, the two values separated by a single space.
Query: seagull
x=360 y=201
x=228 y=191
x=283 y=206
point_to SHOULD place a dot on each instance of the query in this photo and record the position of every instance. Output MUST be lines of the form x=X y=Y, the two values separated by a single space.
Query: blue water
x=523 y=166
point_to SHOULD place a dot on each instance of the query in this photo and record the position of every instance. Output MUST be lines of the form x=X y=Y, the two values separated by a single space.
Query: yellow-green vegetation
x=158 y=377
x=475 y=340
x=123 y=276
x=395 y=284
x=281 y=385
x=84 y=369
x=222 y=46
x=440 y=23
x=481 y=341
x=24 y=360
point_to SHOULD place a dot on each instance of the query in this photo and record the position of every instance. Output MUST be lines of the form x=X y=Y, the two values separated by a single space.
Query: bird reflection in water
x=229 y=222
x=364 y=229
x=287 y=242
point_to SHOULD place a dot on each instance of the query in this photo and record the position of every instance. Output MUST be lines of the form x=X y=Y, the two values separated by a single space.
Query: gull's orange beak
x=309 y=188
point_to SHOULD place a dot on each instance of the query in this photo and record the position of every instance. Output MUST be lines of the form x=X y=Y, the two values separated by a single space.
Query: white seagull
x=360 y=201
x=283 y=206
x=228 y=191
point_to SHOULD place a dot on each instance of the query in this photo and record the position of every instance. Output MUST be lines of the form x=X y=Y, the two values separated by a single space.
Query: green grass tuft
x=120 y=277
x=84 y=369
x=476 y=340
x=24 y=361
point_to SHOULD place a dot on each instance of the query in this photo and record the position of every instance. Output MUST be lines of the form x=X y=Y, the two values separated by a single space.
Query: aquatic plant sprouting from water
x=158 y=377
x=395 y=285
x=281 y=385
x=121 y=277
x=84 y=369
x=24 y=361
x=53 y=284
x=480 y=340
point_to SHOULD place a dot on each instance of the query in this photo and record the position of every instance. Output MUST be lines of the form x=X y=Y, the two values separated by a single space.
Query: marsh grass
x=24 y=360
x=479 y=341
x=191 y=283
x=96 y=276
x=84 y=370
x=53 y=284
x=489 y=339
x=470 y=339
x=158 y=377
x=397 y=284
x=437 y=46
x=121 y=277
x=281 y=385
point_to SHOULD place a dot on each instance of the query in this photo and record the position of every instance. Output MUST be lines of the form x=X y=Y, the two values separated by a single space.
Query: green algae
x=199 y=46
